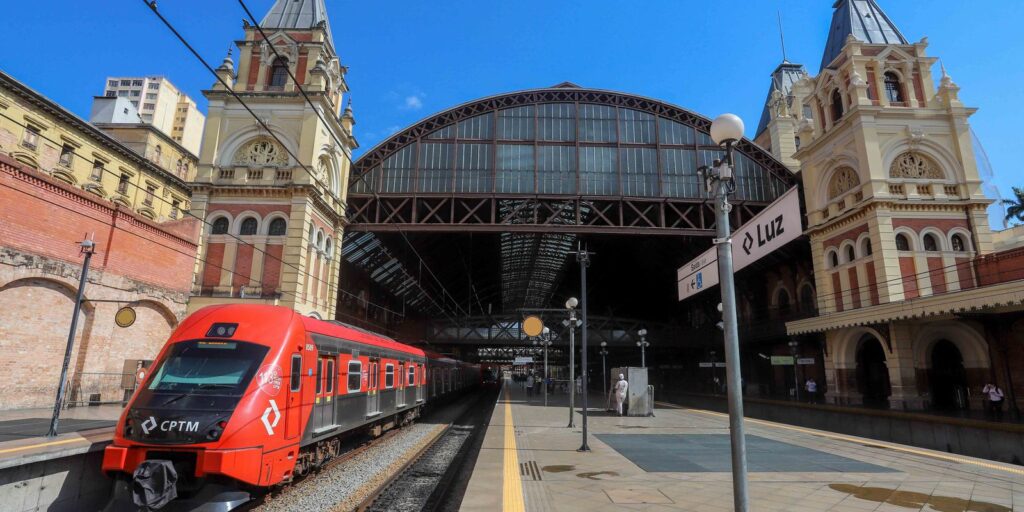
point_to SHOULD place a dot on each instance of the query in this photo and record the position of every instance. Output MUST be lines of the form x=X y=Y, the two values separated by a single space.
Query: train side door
x=372 y=389
x=293 y=410
x=324 y=402
x=400 y=387
x=420 y=388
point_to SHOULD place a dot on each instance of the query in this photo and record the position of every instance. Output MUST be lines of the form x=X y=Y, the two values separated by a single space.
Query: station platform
x=680 y=460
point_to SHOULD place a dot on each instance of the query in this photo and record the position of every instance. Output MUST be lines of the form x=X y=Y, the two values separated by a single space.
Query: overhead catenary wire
x=153 y=7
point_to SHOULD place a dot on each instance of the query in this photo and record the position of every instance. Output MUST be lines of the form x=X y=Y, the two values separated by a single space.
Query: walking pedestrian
x=620 y=393
x=811 y=386
x=995 y=400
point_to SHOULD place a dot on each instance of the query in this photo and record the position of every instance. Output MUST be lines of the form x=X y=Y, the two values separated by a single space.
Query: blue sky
x=409 y=59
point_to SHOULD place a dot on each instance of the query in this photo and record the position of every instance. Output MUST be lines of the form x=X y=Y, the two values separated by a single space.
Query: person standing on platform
x=995 y=400
x=620 y=393
x=529 y=385
x=812 y=390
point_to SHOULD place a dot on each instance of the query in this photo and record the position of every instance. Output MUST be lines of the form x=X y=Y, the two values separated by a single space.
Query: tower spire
x=865 y=21
x=298 y=14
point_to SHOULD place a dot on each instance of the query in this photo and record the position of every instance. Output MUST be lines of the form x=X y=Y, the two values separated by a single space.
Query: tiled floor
x=840 y=473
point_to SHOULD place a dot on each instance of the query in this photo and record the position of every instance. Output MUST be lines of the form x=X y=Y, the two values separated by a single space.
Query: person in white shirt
x=812 y=390
x=529 y=385
x=620 y=393
x=995 y=399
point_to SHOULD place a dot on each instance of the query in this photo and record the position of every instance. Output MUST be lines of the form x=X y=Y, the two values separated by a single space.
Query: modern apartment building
x=162 y=105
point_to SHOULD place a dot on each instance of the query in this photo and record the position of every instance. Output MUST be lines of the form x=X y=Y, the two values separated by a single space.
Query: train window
x=296 y=372
x=319 y=372
x=355 y=374
x=330 y=376
x=389 y=376
x=412 y=375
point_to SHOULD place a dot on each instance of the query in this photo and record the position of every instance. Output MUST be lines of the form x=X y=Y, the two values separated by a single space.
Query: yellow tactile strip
x=512 y=490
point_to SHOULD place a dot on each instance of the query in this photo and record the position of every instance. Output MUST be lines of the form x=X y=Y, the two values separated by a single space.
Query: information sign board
x=769 y=230
x=805 y=360
x=782 y=360
x=522 y=360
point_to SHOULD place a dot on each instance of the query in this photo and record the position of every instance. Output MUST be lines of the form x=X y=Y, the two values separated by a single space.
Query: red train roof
x=348 y=332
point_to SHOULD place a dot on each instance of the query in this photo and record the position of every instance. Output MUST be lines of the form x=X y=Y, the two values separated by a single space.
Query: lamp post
x=604 y=373
x=794 y=348
x=643 y=344
x=572 y=323
x=88 y=248
x=726 y=130
x=545 y=341
x=583 y=258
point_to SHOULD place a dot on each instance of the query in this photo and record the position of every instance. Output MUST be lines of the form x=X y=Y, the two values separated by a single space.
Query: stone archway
x=947 y=377
x=872 y=372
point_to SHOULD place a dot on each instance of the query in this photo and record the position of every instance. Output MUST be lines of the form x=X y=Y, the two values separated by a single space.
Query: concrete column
x=845 y=298
x=258 y=255
x=887 y=263
x=924 y=279
x=228 y=265
x=902 y=374
x=293 y=266
x=864 y=289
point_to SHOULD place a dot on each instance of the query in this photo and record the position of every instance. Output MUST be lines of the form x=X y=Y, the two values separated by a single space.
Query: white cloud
x=413 y=102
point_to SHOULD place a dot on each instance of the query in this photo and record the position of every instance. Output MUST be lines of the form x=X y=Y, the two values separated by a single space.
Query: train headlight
x=214 y=433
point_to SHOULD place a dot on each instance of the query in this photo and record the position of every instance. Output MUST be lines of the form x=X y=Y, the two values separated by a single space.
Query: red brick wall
x=1000 y=267
x=262 y=209
x=937 y=274
x=908 y=271
x=869 y=271
x=243 y=266
x=854 y=287
x=943 y=225
x=851 y=234
x=214 y=262
x=963 y=273
x=272 y=267
x=837 y=289
x=42 y=216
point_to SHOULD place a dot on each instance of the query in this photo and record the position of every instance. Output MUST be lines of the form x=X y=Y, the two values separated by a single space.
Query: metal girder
x=607 y=215
x=504 y=330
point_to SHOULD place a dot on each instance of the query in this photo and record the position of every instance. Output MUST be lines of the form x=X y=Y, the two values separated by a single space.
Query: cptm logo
x=169 y=426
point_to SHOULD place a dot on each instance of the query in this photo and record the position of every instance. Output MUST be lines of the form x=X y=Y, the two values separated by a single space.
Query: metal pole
x=545 y=373
x=796 y=378
x=732 y=342
x=643 y=358
x=572 y=367
x=88 y=247
x=584 y=258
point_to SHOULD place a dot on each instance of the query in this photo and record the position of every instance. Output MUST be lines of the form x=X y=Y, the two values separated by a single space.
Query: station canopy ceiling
x=475 y=209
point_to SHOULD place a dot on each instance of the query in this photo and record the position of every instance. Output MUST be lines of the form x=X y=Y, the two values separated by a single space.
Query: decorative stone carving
x=843 y=180
x=260 y=152
x=915 y=166
x=779 y=104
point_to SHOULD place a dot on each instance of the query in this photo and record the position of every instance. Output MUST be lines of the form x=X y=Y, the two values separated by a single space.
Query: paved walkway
x=679 y=460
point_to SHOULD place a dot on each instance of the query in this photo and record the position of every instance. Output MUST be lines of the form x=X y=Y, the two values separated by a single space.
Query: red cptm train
x=245 y=397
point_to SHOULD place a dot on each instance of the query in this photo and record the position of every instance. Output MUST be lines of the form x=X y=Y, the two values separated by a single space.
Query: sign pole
x=583 y=257
x=88 y=248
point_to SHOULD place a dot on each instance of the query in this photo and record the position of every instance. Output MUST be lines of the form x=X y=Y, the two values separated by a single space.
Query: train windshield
x=208 y=367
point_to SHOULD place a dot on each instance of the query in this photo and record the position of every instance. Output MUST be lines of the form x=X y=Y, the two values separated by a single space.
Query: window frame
x=330 y=377
x=411 y=375
x=319 y=376
x=906 y=240
x=358 y=374
x=389 y=376
x=934 y=242
x=295 y=383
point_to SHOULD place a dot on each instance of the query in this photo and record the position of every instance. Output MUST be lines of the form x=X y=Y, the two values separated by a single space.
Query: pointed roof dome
x=783 y=79
x=864 y=20
x=298 y=14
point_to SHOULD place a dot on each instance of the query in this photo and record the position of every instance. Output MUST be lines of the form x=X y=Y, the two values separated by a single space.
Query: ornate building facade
x=908 y=302
x=270 y=186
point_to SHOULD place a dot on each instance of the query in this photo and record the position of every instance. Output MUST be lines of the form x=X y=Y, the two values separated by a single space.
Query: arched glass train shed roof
x=541 y=167
x=561 y=141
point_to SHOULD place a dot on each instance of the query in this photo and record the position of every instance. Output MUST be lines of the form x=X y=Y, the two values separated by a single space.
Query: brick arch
x=971 y=344
x=844 y=353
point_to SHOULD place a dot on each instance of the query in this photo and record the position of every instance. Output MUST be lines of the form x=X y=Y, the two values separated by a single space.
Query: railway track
x=425 y=481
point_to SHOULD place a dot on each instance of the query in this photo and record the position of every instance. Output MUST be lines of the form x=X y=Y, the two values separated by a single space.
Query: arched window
x=248 y=227
x=866 y=247
x=279 y=72
x=807 y=302
x=220 y=226
x=957 y=242
x=157 y=152
x=278 y=227
x=850 y=254
x=929 y=242
x=837 y=106
x=328 y=248
x=783 y=301
x=902 y=243
x=833 y=257
x=893 y=88
x=320 y=240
